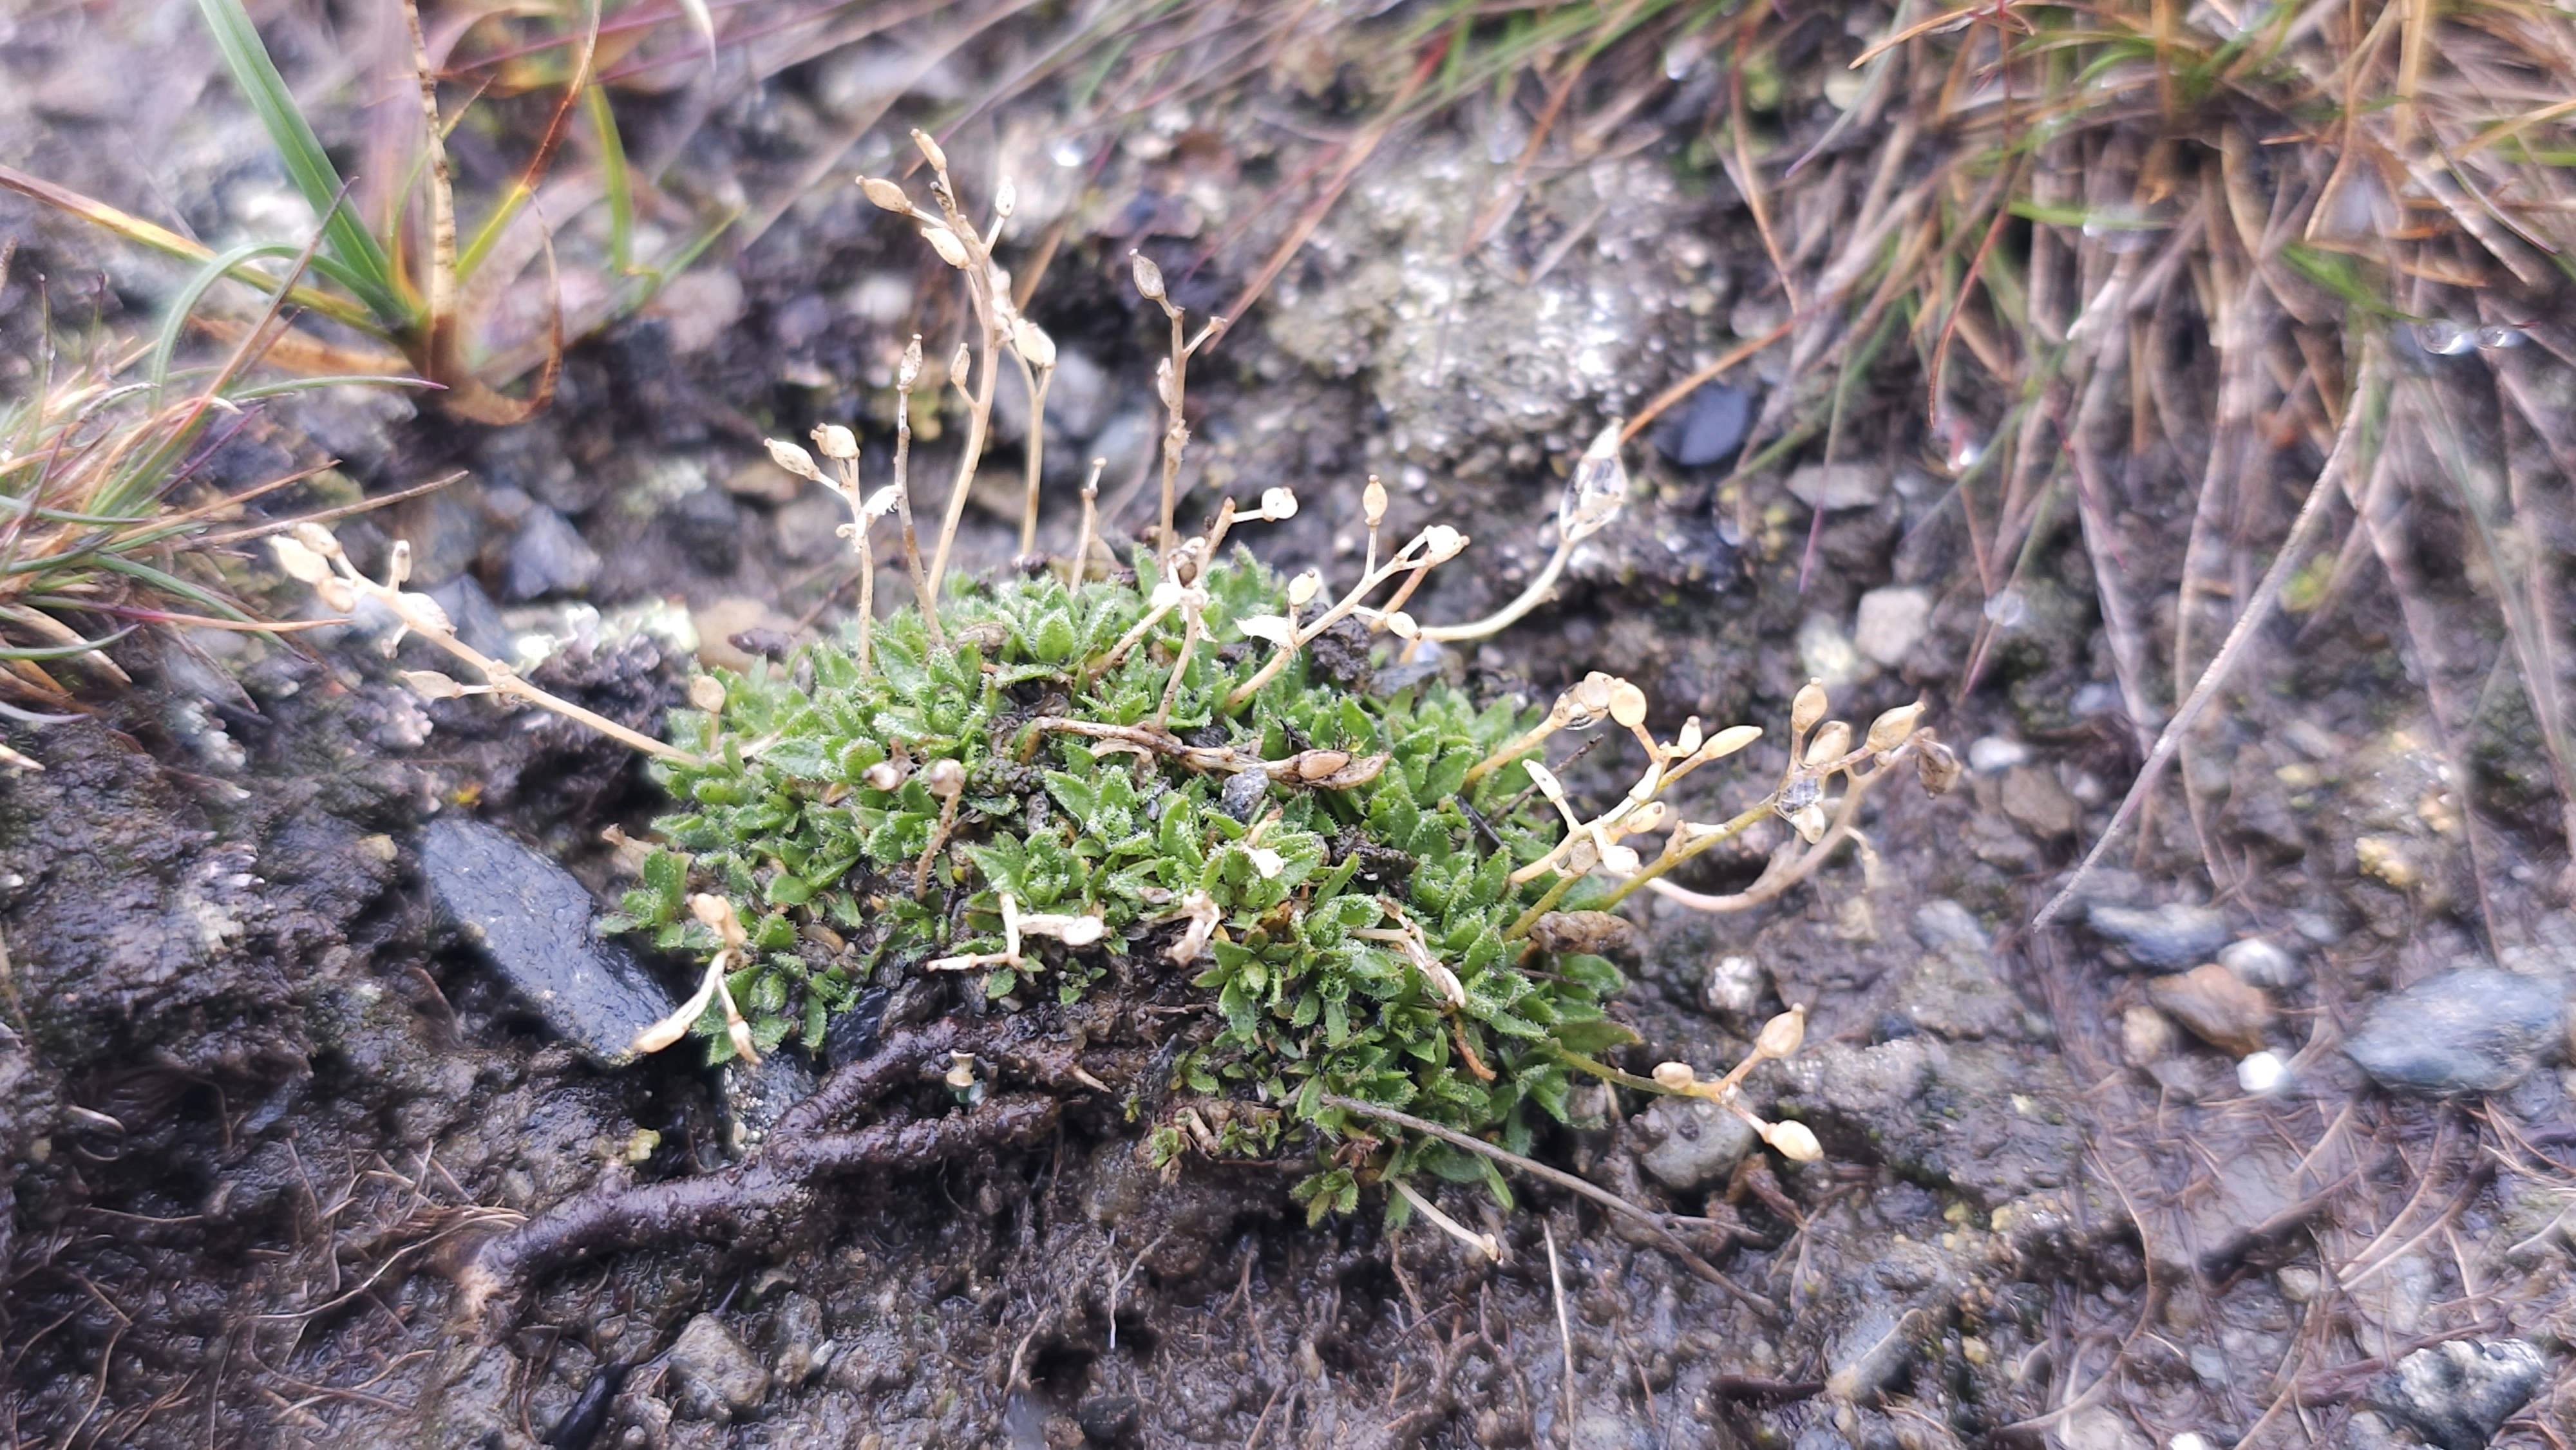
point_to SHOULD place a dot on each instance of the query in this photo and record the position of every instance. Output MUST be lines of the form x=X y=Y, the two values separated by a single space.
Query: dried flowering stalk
x=999 y=324
x=1593 y=497
x=1171 y=384
x=1780 y=1038
x=716 y=913
x=1435 y=545
x=310 y=555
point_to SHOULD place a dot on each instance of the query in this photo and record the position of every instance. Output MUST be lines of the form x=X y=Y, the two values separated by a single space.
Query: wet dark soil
x=258 y=1103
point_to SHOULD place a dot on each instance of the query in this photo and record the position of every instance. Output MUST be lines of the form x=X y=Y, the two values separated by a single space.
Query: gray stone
x=2262 y=964
x=2164 y=938
x=1694 y=1142
x=1871 y=1355
x=2031 y=795
x=807 y=526
x=800 y=1334
x=1709 y=428
x=1735 y=984
x=755 y=1095
x=532 y=921
x=1941 y=924
x=1892 y=622
x=708 y=526
x=477 y=621
x=717 y=1377
x=2457 y=1393
x=2476 y=1030
x=548 y=556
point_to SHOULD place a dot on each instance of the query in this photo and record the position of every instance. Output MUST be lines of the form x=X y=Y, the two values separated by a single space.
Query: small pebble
x=1709 y=428
x=2146 y=1035
x=2260 y=963
x=1840 y=485
x=2218 y=1007
x=1735 y=985
x=1892 y=622
x=1993 y=755
x=2038 y=804
x=2167 y=938
x=2262 y=1073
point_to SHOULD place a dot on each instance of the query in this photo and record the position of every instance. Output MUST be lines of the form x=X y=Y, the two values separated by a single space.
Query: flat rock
x=1694 y=1142
x=532 y=921
x=2168 y=938
x=2458 y=1393
x=2476 y=1030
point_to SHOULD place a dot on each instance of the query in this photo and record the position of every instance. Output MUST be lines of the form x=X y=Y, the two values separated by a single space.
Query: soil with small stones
x=258 y=1105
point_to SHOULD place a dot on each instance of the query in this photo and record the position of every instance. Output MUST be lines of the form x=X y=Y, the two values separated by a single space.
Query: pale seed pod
x=1148 y=276
x=1033 y=344
x=1627 y=705
x=945 y=243
x=1889 y=731
x=884 y=194
x=930 y=151
x=908 y=372
x=883 y=501
x=836 y=442
x=794 y=459
x=1373 y=502
x=1831 y=743
x=1278 y=504
x=1808 y=708
x=1675 y=1076
x=1729 y=740
x=422 y=613
x=1006 y=199
x=1647 y=817
x=1317 y=764
x=431 y=685
x=885 y=775
x=1441 y=543
x=335 y=594
x=717 y=912
x=1782 y=1035
x=1809 y=822
x=946 y=778
x=1794 y=1141
x=1163 y=383
x=317 y=538
x=398 y=564
x=1303 y=589
x=707 y=693
x=1936 y=765
x=1402 y=625
x=1687 y=743
x=1082 y=931
x=961 y=365
x=299 y=562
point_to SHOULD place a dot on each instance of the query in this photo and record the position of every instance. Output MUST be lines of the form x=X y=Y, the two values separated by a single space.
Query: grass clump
x=1042 y=808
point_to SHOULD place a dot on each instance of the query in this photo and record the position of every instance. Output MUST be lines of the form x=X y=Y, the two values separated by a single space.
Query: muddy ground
x=258 y=1100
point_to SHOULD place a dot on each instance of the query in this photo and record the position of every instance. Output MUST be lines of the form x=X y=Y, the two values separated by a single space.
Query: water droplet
x=1684 y=54
x=1966 y=455
x=2446 y=339
x=2496 y=339
x=2007 y=609
x=1067 y=152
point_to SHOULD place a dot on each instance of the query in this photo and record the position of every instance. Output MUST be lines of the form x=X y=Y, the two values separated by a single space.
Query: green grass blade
x=184 y=305
x=612 y=171
x=369 y=272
